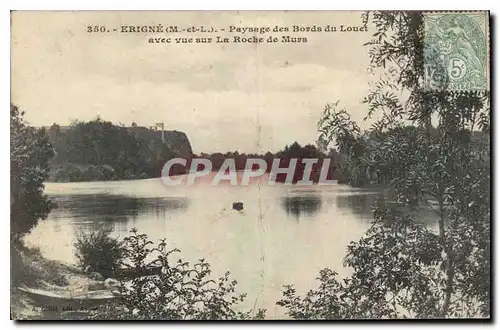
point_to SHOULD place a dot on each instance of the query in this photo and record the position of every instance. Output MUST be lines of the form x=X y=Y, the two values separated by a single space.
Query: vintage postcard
x=249 y=165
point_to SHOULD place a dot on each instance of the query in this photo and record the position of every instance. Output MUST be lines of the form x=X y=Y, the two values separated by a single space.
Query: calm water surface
x=284 y=235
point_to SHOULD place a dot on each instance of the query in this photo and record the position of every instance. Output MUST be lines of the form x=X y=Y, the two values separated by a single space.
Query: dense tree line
x=292 y=151
x=100 y=150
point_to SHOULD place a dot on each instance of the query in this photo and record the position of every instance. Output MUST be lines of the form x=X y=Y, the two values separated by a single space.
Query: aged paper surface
x=225 y=165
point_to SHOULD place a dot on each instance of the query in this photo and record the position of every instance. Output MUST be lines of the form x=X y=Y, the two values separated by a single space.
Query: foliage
x=336 y=126
x=30 y=152
x=294 y=150
x=180 y=292
x=99 y=151
x=402 y=268
x=98 y=252
x=75 y=172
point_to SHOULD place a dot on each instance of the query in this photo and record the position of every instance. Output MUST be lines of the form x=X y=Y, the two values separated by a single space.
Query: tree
x=401 y=266
x=30 y=152
x=336 y=126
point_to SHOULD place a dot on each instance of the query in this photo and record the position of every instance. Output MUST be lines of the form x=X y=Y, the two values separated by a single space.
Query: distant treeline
x=99 y=150
x=295 y=150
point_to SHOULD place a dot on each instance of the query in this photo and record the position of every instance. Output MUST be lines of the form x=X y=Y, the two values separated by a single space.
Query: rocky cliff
x=176 y=141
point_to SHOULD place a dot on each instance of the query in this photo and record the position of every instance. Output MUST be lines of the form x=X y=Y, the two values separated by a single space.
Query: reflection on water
x=90 y=210
x=358 y=204
x=301 y=206
x=265 y=246
x=363 y=204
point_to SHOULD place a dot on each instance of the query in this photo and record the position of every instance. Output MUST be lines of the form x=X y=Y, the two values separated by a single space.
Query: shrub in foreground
x=180 y=292
x=98 y=252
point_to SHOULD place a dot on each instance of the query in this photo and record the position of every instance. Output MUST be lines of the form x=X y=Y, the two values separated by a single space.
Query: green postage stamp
x=456 y=51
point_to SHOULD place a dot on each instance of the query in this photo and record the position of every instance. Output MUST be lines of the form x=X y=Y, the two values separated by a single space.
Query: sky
x=225 y=97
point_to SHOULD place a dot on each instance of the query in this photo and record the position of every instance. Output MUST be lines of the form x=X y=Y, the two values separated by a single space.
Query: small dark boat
x=238 y=206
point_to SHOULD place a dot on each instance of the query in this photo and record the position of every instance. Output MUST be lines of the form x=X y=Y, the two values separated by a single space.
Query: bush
x=98 y=252
x=180 y=292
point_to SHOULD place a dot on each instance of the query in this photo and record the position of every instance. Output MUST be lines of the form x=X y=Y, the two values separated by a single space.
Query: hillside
x=99 y=150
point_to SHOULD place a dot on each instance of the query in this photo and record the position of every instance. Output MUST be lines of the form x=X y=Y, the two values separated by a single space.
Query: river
x=284 y=235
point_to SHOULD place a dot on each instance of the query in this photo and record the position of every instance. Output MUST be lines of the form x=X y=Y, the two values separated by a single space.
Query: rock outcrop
x=176 y=141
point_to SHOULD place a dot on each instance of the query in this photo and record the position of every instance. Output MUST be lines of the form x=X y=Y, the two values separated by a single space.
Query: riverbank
x=30 y=269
